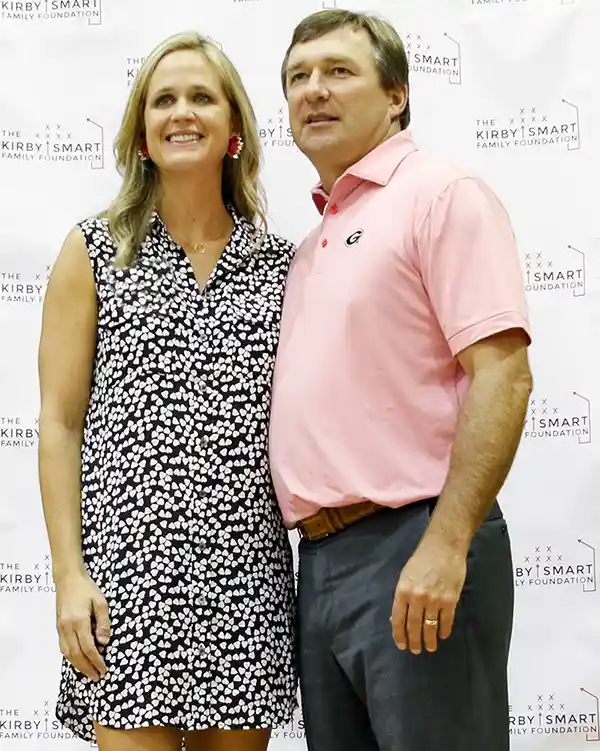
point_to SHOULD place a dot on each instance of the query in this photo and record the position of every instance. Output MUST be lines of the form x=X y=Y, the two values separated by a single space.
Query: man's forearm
x=488 y=433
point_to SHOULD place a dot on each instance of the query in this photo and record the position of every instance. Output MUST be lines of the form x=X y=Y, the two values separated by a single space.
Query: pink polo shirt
x=414 y=260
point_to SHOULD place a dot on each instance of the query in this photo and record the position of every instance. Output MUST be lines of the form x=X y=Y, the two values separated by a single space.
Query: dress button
x=202 y=601
x=202 y=546
x=202 y=386
x=204 y=441
x=202 y=336
x=324 y=243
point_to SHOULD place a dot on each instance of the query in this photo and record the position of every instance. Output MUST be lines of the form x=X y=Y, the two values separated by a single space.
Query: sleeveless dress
x=180 y=526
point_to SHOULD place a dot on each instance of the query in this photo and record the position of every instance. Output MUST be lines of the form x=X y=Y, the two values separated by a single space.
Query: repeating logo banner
x=35 y=724
x=556 y=126
x=73 y=143
x=433 y=54
x=570 y=565
x=28 y=574
x=52 y=10
x=18 y=432
x=556 y=270
x=274 y=129
x=565 y=416
x=23 y=286
x=557 y=714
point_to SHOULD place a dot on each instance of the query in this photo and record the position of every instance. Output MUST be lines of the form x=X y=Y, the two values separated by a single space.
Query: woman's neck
x=192 y=207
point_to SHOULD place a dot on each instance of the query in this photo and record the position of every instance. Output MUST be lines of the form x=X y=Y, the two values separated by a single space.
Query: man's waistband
x=329 y=521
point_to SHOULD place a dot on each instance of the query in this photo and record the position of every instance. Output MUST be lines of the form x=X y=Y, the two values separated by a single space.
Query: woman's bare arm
x=66 y=356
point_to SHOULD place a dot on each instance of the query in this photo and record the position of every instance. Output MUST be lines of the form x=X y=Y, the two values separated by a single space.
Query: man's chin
x=316 y=144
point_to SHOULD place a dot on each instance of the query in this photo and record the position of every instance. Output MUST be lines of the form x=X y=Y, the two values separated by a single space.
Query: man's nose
x=315 y=87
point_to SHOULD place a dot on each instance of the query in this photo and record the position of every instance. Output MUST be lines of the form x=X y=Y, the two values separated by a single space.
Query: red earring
x=236 y=144
x=143 y=151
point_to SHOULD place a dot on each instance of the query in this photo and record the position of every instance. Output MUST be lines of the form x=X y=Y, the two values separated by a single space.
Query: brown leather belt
x=328 y=521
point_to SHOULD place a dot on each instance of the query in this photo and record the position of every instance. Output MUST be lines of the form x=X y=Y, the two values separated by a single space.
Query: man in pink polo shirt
x=400 y=393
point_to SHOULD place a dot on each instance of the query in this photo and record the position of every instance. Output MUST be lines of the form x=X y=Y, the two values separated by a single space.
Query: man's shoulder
x=431 y=173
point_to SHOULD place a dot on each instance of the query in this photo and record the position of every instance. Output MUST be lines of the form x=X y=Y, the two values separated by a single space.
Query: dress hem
x=74 y=727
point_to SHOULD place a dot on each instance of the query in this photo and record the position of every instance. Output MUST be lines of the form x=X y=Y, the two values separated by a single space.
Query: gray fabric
x=359 y=692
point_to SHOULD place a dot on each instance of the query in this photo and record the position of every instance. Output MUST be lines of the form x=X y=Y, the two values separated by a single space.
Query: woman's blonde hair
x=130 y=213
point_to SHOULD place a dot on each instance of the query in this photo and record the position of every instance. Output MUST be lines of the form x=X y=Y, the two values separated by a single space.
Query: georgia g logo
x=354 y=237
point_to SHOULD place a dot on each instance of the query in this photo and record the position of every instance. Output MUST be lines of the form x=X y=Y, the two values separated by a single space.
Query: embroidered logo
x=354 y=237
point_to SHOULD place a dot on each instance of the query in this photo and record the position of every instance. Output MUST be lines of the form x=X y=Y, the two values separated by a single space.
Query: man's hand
x=427 y=595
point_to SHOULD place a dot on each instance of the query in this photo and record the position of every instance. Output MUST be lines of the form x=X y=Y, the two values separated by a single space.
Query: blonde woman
x=172 y=565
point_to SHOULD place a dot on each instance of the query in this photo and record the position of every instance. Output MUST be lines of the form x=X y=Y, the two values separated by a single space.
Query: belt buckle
x=306 y=536
x=324 y=534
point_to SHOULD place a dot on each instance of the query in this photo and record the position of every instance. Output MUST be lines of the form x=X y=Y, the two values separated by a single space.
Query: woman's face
x=187 y=115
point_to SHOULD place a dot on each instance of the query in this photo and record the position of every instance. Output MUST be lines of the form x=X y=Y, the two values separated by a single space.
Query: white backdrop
x=509 y=87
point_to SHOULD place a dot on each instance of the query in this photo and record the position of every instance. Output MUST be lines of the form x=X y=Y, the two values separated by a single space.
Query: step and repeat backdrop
x=508 y=87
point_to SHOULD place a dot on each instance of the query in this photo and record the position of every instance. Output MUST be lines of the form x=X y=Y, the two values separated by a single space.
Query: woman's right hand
x=81 y=607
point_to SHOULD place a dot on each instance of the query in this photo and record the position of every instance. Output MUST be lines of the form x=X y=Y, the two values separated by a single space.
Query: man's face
x=338 y=110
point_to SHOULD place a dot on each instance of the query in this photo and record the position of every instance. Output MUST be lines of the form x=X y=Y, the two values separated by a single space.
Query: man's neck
x=330 y=173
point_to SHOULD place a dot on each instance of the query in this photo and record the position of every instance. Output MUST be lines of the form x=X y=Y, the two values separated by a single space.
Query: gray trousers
x=359 y=691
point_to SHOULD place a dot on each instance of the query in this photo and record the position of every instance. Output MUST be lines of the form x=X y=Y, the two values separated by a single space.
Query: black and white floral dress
x=181 y=529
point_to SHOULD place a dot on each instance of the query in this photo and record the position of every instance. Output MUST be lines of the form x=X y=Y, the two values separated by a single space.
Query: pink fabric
x=367 y=387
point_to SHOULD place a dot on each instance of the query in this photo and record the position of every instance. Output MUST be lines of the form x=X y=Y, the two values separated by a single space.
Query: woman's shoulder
x=97 y=238
x=275 y=242
x=95 y=223
x=95 y=230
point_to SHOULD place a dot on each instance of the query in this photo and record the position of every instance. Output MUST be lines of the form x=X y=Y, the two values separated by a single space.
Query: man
x=400 y=394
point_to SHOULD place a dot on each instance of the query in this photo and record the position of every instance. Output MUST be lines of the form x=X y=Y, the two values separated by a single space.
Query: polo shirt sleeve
x=469 y=264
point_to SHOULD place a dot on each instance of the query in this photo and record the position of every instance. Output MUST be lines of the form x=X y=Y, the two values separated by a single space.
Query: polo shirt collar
x=377 y=166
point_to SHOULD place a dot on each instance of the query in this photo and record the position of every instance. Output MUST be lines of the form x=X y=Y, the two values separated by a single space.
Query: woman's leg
x=227 y=740
x=140 y=739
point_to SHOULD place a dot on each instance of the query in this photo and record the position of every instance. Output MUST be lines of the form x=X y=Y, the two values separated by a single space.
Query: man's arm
x=487 y=436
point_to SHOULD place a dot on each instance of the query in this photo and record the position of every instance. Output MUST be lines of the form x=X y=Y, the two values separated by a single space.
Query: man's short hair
x=388 y=49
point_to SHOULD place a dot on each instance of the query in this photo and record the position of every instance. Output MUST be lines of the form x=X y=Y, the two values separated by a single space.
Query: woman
x=172 y=566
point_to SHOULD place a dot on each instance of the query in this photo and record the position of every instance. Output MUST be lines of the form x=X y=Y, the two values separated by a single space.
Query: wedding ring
x=431 y=621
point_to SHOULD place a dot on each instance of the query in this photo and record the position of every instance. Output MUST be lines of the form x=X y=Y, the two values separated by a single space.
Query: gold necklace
x=199 y=248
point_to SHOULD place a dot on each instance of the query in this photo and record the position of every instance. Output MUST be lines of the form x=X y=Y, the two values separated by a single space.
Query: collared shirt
x=415 y=260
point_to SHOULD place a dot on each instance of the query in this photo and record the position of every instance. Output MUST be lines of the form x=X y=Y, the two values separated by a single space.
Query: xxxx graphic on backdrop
x=434 y=55
x=556 y=270
x=570 y=564
x=566 y=415
x=19 y=286
x=274 y=130
x=26 y=575
x=530 y=127
x=31 y=723
x=79 y=142
x=557 y=713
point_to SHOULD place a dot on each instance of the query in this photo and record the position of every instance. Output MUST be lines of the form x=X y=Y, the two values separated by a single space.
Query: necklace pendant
x=199 y=248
